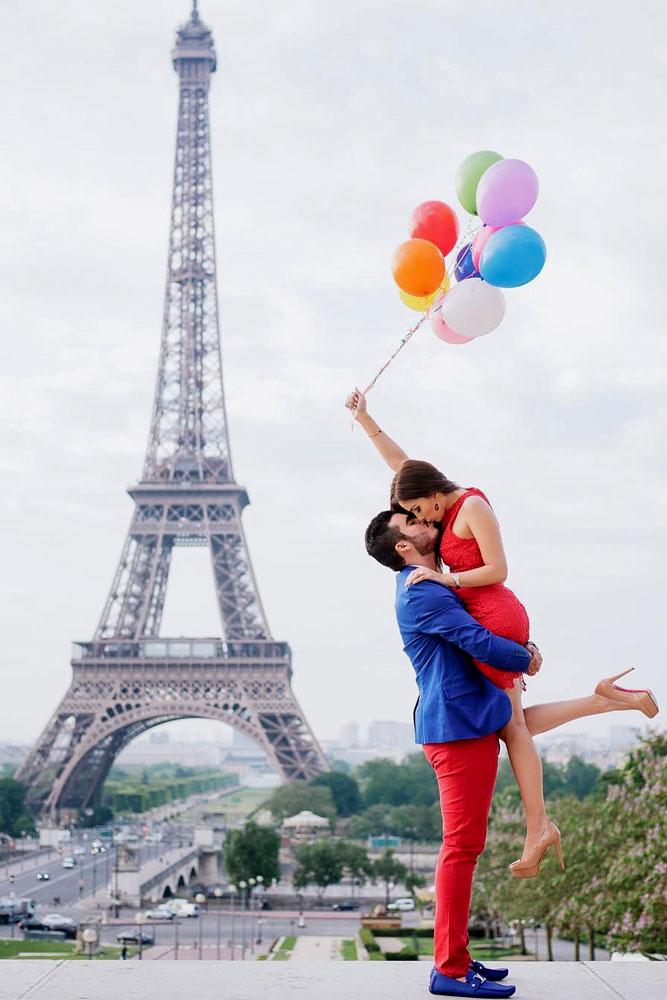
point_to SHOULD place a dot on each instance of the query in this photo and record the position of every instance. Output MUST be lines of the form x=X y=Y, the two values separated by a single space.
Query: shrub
x=367 y=938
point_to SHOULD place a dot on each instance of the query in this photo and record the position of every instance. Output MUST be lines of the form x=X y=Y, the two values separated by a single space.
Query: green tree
x=387 y=868
x=321 y=864
x=630 y=891
x=15 y=817
x=416 y=822
x=413 y=880
x=370 y=823
x=295 y=796
x=252 y=851
x=384 y=782
x=580 y=778
x=356 y=863
x=344 y=791
x=421 y=776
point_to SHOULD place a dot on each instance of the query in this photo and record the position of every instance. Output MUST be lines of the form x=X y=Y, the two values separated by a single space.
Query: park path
x=316 y=949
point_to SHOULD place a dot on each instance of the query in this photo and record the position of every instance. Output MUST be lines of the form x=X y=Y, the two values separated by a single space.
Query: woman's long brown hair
x=417 y=479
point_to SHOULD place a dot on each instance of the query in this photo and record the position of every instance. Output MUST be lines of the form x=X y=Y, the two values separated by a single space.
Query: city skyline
x=572 y=384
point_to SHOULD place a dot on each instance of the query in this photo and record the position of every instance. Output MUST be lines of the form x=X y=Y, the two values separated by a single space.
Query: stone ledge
x=47 y=980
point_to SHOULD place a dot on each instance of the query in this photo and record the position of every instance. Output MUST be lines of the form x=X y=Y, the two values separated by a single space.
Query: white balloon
x=473 y=308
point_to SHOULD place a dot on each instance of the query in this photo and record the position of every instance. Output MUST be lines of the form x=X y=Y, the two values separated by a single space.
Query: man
x=457 y=718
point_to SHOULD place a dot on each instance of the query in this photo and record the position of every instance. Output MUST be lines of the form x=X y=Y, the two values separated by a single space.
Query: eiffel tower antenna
x=129 y=678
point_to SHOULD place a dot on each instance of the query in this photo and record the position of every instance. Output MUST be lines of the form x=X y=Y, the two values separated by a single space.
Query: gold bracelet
x=378 y=431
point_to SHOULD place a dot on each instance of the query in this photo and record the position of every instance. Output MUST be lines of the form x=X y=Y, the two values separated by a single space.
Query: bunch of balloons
x=504 y=252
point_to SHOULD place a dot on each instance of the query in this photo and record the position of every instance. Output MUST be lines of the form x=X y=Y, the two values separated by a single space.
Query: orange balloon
x=418 y=267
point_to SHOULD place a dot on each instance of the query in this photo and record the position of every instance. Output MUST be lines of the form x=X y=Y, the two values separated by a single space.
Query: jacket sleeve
x=436 y=611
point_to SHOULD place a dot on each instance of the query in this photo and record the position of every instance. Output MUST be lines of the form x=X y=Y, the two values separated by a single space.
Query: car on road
x=404 y=905
x=13 y=910
x=43 y=876
x=67 y=928
x=345 y=904
x=184 y=908
x=131 y=936
x=69 y=862
x=161 y=912
x=58 y=918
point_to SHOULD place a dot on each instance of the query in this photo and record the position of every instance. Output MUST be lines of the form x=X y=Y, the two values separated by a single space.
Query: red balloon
x=437 y=222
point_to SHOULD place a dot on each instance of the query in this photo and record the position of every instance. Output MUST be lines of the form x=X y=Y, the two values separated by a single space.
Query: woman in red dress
x=472 y=549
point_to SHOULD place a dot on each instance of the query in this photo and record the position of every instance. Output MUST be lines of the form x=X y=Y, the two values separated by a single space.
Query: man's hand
x=535 y=659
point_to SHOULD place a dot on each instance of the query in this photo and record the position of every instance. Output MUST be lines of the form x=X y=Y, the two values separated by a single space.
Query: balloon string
x=430 y=311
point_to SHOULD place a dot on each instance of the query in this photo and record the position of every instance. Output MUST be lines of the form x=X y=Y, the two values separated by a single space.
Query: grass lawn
x=348 y=950
x=483 y=951
x=288 y=943
x=55 y=950
x=478 y=949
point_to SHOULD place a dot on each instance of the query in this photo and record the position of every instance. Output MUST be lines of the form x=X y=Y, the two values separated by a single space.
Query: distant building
x=140 y=752
x=623 y=737
x=391 y=734
x=158 y=736
x=349 y=734
x=604 y=752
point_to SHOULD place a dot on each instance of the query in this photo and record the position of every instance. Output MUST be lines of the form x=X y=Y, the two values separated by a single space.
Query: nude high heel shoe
x=529 y=867
x=644 y=701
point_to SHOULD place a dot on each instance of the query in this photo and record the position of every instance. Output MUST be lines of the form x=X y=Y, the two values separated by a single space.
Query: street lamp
x=232 y=940
x=89 y=935
x=243 y=886
x=252 y=882
x=140 y=920
x=217 y=892
x=200 y=898
x=260 y=884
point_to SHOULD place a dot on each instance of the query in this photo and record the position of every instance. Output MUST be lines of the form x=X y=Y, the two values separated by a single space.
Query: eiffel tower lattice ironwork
x=129 y=678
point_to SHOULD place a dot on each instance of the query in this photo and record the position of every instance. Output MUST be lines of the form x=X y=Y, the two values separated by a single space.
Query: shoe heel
x=559 y=852
x=623 y=673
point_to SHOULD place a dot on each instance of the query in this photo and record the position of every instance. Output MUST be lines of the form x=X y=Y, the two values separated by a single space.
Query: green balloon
x=468 y=176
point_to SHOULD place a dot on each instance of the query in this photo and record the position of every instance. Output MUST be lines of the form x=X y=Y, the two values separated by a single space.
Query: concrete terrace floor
x=53 y=980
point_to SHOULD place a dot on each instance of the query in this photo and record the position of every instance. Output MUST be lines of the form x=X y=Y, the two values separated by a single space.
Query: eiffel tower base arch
x=108 y=705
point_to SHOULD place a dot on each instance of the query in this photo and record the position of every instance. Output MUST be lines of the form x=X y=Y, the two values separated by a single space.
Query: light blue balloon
x=513 y=256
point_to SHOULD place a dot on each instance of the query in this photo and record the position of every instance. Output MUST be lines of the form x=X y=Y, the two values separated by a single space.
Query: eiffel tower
x=129 y=678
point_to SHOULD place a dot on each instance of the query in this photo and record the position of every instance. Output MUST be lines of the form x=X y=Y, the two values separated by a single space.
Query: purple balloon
x=507 y=191
x=464 y=266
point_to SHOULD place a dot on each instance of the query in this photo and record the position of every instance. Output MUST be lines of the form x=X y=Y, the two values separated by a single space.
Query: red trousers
x=466 y=772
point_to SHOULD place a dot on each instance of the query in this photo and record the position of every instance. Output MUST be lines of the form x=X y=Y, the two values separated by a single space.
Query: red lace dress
x=494 y=606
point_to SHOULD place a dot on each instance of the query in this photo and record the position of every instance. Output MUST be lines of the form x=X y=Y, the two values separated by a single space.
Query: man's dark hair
x=381 y=538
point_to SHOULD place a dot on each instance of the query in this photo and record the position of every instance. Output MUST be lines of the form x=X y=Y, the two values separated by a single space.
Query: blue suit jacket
x=456 y=701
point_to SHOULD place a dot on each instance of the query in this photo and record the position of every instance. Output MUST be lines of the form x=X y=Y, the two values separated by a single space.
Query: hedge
x=367 y=938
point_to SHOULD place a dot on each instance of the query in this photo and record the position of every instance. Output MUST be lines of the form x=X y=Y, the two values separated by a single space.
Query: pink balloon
x=507 y=191
x=441 y=330
x=480 y=242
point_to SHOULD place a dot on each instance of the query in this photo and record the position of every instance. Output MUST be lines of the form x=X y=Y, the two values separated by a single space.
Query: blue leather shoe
x=486 y=973
x=474 y=986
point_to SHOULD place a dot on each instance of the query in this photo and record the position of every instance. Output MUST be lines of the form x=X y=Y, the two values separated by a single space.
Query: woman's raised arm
x=392 y=453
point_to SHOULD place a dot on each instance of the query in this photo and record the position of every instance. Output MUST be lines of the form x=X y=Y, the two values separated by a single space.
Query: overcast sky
x=330 y=122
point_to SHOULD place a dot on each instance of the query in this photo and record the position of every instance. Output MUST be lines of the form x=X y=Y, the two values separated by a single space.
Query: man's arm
x=438 y=612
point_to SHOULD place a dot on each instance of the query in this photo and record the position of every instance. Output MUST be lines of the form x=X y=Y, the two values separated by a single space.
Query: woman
x=471 y=547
